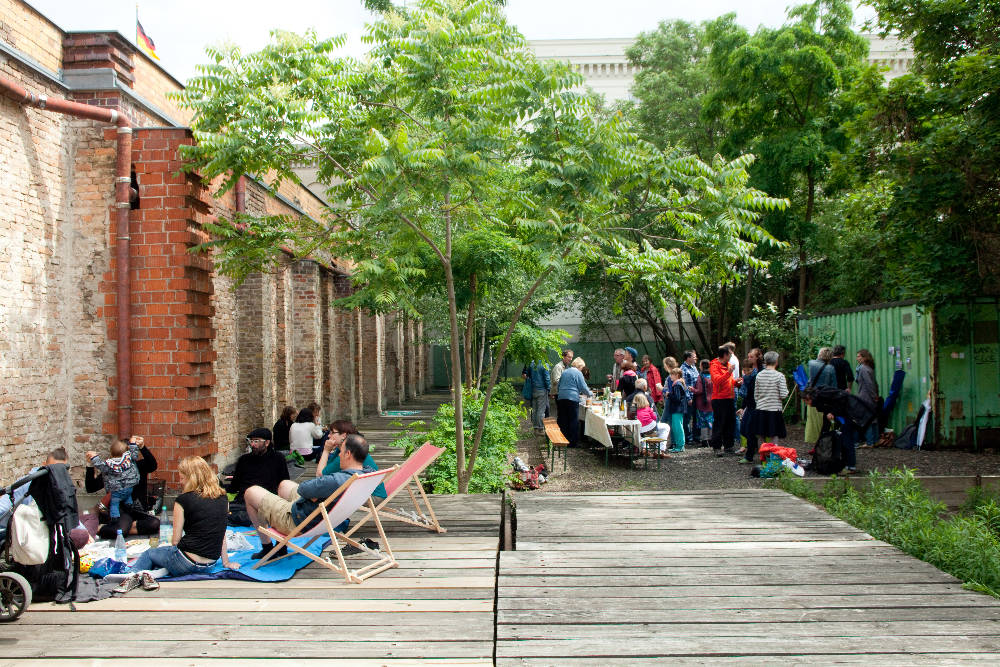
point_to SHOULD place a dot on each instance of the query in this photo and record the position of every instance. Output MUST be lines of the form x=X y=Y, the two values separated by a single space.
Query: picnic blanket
x=281 y=570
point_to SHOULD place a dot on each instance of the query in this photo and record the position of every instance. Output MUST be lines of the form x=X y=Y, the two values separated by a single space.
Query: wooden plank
x=82 y=645
x=223 y=605
x=241 y=662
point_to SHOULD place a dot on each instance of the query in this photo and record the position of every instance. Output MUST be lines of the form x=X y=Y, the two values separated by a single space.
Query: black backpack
x=827 y=459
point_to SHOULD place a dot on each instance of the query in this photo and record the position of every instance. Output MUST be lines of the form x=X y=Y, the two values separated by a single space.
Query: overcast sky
x=182 y=28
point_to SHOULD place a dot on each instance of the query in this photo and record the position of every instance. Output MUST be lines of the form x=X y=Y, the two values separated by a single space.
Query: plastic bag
x=106 y=566
x=237 y=541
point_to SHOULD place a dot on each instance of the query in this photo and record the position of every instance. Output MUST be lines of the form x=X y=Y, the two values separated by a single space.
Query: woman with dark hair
x=302 y=433
x=754 y=364
x=329 y=460
x=868 y=391
x=280 y=430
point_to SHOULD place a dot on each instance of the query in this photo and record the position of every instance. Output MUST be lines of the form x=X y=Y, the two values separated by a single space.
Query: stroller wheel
x=15 y=596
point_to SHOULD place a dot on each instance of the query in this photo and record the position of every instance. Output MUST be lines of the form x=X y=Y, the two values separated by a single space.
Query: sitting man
x=262 y=466
x=294 y=502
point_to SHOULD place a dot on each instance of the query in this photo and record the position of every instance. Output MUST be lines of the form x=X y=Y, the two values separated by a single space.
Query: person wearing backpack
x=821 y=374
x=855 y=411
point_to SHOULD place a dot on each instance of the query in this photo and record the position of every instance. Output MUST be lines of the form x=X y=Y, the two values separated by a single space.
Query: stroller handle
x=27 y=479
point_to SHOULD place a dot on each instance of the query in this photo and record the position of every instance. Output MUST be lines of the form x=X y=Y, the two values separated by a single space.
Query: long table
x=595 y=425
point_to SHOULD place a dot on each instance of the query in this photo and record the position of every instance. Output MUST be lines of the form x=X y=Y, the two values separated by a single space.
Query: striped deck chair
x=407 y=477
x=341 y=504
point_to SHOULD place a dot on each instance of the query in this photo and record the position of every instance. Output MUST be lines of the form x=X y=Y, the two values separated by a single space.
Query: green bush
x=500 y=435
x=895 y=508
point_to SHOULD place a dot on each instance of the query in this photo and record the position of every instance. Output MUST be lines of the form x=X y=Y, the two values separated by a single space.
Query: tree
x=934 y=135
x=781 y=92
x=448 y=129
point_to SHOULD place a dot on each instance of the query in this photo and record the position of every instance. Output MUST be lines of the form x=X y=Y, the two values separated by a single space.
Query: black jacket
x=267 y=470
x=841 y=403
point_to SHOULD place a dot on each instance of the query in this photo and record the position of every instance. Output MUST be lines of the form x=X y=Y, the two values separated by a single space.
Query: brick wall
x=209 y=362
x=53 y=219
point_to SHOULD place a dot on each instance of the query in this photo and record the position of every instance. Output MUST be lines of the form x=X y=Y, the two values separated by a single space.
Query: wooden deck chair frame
x=407 y=476
x=341 y=504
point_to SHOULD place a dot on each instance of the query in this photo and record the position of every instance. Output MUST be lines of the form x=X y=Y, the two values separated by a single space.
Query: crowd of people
x=718 y=402
x=262 y=491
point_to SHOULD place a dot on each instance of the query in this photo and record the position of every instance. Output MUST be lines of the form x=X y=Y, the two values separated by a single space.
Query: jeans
x=171 y=558
x=117 y=498
x=539 y=403
x=871 y=433
x=691 y=422
x=724 y=411
x=848 y=436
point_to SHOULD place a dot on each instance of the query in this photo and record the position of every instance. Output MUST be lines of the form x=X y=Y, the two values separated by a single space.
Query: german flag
x=143 y=40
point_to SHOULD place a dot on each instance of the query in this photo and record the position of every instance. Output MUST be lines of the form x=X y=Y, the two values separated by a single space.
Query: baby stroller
x=55 y=495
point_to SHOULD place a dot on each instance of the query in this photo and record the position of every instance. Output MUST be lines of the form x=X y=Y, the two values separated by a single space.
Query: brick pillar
x=172 y=350
x=307 y=350
x=390 y=355
x=283 y=347
x=412 y=360
x=342 y=364
x=423 y=357
x=327 y=323
x=371 y=363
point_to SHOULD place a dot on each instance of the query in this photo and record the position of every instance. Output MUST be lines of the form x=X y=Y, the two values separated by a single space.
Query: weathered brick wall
x=209 y=362
x=53 y=220
x=31 y=33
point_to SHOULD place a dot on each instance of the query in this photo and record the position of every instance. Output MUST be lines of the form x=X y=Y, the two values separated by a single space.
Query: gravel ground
x=699 y=468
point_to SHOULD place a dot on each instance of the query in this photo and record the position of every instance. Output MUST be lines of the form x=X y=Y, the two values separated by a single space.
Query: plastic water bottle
x=120 y=554
x=166 y=530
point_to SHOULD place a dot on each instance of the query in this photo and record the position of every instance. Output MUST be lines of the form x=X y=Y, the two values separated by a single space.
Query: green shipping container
x=953 y=354
x=899 y=337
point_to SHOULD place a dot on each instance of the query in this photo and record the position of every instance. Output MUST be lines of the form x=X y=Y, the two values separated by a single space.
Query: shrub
x=500 y=436
x=895 y=508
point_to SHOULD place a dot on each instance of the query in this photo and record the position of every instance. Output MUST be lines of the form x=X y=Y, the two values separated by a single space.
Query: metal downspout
x=123 y=181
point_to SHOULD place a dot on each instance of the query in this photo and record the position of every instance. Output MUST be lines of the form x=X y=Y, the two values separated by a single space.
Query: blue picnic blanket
x=281 y=570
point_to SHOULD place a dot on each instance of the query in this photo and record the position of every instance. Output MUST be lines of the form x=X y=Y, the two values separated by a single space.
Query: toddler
x=120 y=472
x=703 y=403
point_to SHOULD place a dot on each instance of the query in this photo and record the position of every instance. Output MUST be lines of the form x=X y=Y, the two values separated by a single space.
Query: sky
x=182 y=29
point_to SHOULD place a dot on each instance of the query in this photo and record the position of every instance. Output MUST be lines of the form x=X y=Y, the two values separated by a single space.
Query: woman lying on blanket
x=199 y=537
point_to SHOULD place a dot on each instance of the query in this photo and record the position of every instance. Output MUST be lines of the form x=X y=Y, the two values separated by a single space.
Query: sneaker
x=283 y=551
x=719 y=453
x=148 y=583
x=745 y=461
x=850 y=471
x=132 y=582
x=370 y=544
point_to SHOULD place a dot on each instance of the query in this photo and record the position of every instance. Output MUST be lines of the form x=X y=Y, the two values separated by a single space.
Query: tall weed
x=895 y=508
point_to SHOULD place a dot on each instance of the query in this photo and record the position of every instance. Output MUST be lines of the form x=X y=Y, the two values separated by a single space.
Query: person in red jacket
x=723 y=405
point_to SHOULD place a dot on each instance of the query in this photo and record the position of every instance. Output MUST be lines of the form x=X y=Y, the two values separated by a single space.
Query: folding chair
x=405 y=477
x=341 y=504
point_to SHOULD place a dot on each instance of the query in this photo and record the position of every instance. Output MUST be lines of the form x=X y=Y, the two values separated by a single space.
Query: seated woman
x=302 y=433
x=134 y=519
x=329 y=460
x=199 y=538
x=649 y=425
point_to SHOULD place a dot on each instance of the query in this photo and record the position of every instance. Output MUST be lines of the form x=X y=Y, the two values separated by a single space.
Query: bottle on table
x=120 y=554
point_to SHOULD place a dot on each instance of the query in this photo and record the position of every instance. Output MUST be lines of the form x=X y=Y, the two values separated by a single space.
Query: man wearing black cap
x=262 y=466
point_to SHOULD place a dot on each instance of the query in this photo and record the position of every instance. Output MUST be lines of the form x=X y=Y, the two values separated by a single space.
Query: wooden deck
x=751 y=577
x=436 y=607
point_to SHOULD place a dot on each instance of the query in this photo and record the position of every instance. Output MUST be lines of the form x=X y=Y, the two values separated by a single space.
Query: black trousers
x=569 y=419
x=724 y=429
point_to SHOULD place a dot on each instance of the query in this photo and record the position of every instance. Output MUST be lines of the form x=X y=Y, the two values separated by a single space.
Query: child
x=770 y=389
x=677 y=398
x=703 y=403
x=647 y=419
x=120 y=472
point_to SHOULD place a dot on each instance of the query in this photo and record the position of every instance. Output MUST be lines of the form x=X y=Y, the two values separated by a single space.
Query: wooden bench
x=556 y=441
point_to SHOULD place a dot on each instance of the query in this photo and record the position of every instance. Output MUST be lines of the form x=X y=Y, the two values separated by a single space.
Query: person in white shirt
x=302 y=433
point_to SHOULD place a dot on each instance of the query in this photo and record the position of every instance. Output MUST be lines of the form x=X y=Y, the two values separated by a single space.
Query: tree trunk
x=470 y=325
x=701 y=333
x=747 y=302
x=810 y=204
x=456 y=362
x=482 y=355
x=680 y=329
x=723 y=315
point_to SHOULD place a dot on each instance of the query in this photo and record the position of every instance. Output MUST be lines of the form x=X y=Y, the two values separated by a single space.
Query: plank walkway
x=723 y=577
x=437 y=606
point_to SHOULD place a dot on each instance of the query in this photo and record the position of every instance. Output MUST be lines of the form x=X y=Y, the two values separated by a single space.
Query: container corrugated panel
x=898 y=336
x=968 y=351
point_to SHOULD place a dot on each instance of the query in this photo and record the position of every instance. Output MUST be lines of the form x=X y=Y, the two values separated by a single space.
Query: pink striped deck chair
x=341 y=504
x=406 y=476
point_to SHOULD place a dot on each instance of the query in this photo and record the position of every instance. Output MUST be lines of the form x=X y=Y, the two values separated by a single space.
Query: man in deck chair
x=294 y=502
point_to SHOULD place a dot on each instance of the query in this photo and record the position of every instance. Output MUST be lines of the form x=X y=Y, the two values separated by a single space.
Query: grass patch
x=895 y=508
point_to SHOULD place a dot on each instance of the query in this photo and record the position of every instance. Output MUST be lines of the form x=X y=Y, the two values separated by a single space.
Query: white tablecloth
x=596 y=426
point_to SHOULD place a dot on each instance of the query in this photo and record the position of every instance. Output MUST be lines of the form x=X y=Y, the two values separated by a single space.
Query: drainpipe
x=123 y=182
x=241 y=194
